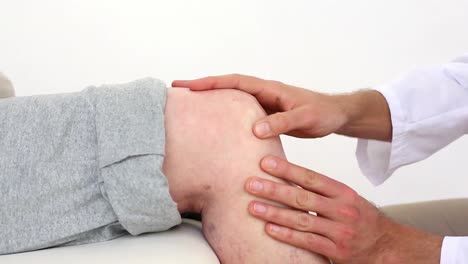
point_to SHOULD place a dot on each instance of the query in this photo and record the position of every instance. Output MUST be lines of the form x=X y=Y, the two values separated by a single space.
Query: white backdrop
x=55 y=46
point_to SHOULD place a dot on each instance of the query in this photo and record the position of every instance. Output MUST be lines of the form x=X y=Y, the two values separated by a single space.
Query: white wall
x=55 y=46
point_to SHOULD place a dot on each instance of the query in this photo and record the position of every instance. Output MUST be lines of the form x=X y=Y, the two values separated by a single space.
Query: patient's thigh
x=211 y=147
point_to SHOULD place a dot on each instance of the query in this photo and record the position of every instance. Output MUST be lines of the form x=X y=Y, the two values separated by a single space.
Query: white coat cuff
x=378 y=159
x=454 y=250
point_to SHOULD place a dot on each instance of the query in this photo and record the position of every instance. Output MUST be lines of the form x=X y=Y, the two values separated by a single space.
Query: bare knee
x=213 y=130
x=210 y=144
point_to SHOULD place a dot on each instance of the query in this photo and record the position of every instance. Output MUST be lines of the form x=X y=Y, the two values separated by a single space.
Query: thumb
x=281 y=123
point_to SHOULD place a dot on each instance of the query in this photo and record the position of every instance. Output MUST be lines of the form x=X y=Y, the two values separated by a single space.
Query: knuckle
x=272 y=213
x=347 y=235
x=344 y=250
x=310 y=239
x=303 y=221
x=311 y=178
x=303 y=199
x=275 y=84
x=310 y=119
x=271 y=189
x=313 y=118
x=237 y=79
x=310 y=122
x=288 y=234
x=236 y=76
x=290 y=192
x=351 y=195
x=349 y=212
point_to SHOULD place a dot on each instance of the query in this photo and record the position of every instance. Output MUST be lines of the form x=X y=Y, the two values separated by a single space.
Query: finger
x=249 y=84
x=270 y=94
x=307 y=179
x=297 y=220
x=308 y=241
x=291 y=196
x=282 y=122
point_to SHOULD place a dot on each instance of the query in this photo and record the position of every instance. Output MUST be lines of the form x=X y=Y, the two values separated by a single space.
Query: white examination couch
x=182 y=244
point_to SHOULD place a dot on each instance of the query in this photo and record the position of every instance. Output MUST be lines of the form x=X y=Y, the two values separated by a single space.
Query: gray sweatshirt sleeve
x=83 y=167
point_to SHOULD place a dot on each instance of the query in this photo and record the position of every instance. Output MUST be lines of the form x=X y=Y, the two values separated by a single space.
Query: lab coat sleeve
x=429 y=110
x=454 y=250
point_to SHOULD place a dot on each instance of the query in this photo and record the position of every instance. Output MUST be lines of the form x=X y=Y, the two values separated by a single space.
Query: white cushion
x=6 y=88
x=182 y=244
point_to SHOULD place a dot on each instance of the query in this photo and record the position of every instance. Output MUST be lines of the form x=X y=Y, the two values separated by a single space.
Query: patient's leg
x=210 y=152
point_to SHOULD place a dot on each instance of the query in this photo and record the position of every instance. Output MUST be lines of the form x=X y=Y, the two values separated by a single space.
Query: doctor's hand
x=294 y=111
x=303 y=113
x=347 y=228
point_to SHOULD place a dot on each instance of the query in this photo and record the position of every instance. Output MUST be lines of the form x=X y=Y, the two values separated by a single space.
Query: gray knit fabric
x=83 y=167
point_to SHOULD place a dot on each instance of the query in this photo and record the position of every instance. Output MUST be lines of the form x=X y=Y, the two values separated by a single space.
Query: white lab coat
x=429 y=110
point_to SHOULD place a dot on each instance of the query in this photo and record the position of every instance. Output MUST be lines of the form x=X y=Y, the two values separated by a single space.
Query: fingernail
x=274 y=228
x=256 y=186
x=259 y=208
x=270 y=163
x=262 y=129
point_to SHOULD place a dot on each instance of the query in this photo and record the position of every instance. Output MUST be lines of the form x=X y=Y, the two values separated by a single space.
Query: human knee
x=219 y=119
x=209 y=139
x=219 y=109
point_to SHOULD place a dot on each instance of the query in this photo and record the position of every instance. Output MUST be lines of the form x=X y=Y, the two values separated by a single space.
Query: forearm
x=367 y=114
x=403 y=244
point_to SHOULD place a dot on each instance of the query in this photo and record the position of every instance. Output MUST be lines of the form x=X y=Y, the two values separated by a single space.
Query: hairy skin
x=210 y=152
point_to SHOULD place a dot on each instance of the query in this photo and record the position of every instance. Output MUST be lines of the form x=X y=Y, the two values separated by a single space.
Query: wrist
x=367 y=115
x=403 y=244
